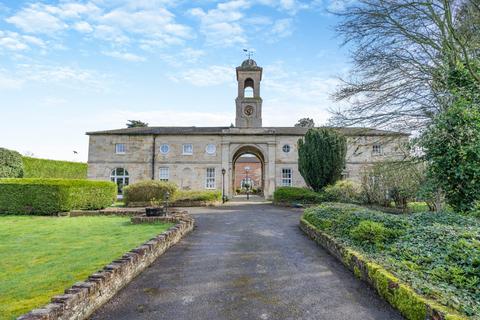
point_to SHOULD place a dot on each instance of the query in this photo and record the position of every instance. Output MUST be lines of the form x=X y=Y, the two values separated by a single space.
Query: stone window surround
x=164 y=148
x=286 y=148
x=212 y=147
x=187 y=153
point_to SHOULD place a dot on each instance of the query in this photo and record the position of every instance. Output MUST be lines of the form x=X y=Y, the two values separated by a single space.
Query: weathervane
x=248 y=53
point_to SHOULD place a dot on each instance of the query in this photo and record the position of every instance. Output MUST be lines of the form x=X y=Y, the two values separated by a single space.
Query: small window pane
x=120 y=177
x=377 y=149
x=210 y=148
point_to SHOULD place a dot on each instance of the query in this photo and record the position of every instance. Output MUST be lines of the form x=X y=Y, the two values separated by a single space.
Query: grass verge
x=42 y=256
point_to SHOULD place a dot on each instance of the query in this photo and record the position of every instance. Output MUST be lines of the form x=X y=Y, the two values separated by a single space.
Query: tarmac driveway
x=248 y=261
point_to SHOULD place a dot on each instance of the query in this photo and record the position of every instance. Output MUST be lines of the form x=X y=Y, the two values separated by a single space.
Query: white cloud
x=83 y=27
x=37 y=18
x=209 y=76
x=17 y=42
x=124 y=56
x=280 y=29
x=184 y=57
x=7 y=82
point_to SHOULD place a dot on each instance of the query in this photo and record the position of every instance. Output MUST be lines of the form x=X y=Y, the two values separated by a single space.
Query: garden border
x=83 y=298
x=401 y=296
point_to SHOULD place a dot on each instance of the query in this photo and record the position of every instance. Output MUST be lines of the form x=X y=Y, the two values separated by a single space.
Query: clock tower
x=248 y=101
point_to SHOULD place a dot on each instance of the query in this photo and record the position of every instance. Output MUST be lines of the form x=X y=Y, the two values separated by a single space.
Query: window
x=163 y=174
x=377 y=149
x=286 y=148
x=248 y=85
x=187 y=148
x=164 y=148
x=120 y=177
x=120 y=148
x=286 y=177
x=210 y=149
x=210 y=178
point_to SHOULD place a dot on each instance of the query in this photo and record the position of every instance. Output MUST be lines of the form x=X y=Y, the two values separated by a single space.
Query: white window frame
x=121 y=180
x=287 y=177
x=377 y=149
x=210 y=178
x=165 y=145
x=191 y=149
x=213 y=150
x=120 y=150
x=163 y=173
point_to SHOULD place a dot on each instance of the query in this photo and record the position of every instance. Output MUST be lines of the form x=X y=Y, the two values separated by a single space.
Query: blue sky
x=67 y=67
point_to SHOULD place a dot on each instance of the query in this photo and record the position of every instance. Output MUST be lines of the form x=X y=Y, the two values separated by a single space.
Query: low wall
x=401 y=296
x=83 y=298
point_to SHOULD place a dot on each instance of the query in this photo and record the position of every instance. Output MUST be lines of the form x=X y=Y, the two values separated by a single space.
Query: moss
x=357 y=272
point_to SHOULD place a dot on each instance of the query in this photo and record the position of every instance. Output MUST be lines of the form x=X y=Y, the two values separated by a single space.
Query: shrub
x=370 y=232
x=294 y=194
x=437 y=254
x=149 y=190
x=43 y=168
x=342 y=191
x=10 y=164
x=321 y=157
x=200 y=195
x=50 y=196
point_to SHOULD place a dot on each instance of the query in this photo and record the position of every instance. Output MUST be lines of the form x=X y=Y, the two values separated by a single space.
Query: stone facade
x=193 y=157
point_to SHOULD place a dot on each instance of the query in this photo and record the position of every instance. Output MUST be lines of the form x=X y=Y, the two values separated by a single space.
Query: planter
x=155 y=211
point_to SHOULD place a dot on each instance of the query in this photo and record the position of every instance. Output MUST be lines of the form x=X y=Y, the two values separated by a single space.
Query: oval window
x=164 y=148
x=286 y=148
x=210 y=149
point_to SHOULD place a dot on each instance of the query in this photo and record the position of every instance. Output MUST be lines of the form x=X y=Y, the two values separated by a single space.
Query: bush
x=298 y=195
x=10 y=164
x=342 y=191
x=149 y=190
x=43 y=168
x=321 y=157
x=437 y=254
x=200 y=195
x=50 y=196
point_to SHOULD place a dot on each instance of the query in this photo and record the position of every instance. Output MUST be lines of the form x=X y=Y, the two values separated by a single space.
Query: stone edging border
x=83 y=298
x=401 y=296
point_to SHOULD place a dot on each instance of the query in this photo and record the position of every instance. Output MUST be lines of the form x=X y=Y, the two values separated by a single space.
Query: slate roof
x=348 y=131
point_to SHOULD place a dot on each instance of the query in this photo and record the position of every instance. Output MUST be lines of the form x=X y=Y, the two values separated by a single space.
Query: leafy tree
x=136 y=124
x=305 y=123
x=11 y=165
x=321 y=157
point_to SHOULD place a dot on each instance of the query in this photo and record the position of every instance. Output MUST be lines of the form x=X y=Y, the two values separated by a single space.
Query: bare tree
x=403 y=53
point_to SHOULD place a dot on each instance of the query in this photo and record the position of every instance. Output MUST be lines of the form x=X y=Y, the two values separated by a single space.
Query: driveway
x=246 y=261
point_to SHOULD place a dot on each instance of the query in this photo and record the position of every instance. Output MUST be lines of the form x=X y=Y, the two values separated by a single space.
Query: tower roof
x=249 y=63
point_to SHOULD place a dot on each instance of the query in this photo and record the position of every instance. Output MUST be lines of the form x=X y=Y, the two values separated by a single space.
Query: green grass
x=42 y=256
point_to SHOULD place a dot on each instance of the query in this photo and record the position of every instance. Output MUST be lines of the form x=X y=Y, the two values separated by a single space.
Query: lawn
x=42 y=256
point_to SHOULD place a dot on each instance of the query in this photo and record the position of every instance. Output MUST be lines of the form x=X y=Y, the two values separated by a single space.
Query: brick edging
x=83 y=298
x=401 y=296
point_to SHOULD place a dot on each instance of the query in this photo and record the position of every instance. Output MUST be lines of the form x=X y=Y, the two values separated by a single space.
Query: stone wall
x=83 y=298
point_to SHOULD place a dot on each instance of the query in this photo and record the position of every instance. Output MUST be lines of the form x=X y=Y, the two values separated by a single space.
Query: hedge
x=199 y=195
x=10 y=164
x=149 y=190
x=44 y=168
x=438 y=255
x=50 y=196
x=296 y=195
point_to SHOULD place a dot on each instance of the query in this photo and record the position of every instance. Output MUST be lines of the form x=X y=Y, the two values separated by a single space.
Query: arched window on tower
x=248 y=91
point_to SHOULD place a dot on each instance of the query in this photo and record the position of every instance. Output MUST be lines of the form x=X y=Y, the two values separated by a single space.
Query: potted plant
x=155 y=209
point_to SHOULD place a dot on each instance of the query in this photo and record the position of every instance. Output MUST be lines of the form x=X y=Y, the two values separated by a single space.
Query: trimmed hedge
x=342 y=191
x=44 y=168
x=10 y=164
x=296 y=195
x=438 y=255
x=50 y=196
x=199 y=195
x=149 y=190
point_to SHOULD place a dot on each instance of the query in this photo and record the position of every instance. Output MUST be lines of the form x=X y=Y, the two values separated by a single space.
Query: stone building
x=198 y=158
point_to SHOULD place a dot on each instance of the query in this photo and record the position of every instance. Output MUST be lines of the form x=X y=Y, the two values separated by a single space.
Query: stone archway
x=243 y=150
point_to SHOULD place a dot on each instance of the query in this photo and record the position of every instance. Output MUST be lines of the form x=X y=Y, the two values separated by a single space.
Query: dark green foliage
x=199 y=195
x=44 y=168
x=10 y=164
x=321 y=157
x=370 y=232
x=296 y=195
x=452 y=148
x=436 y=254
x=305 y=123
x=136 y=124
x=50 y=196
x=149 y=190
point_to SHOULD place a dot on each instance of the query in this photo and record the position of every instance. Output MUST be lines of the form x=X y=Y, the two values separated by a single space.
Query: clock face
x=248 y=110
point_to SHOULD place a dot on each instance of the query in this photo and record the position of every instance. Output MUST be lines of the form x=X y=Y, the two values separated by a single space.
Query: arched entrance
x=248 y=170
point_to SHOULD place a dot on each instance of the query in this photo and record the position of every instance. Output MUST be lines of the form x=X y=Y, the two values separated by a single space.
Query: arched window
x=248 y=85
x=120 y=177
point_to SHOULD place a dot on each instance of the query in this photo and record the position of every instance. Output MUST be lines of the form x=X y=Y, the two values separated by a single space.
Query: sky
x=69 y=67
